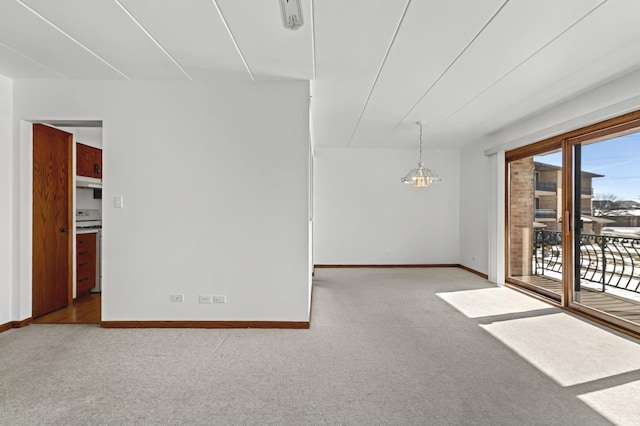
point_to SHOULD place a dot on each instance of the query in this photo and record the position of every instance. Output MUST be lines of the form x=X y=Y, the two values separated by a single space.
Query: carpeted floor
x=386 y=347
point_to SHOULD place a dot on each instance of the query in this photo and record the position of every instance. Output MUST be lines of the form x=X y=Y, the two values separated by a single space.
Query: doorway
x=83 y=198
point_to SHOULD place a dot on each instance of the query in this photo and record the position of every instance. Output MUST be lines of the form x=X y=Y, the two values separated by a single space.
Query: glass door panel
x=535 y=223
x=606 y=229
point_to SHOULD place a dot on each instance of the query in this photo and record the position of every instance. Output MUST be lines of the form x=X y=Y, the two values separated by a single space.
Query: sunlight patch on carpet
x=487 y=302
x=568 y=350
x=620 y=404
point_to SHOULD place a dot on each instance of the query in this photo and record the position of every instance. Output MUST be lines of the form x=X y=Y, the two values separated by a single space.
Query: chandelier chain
x=420 y=124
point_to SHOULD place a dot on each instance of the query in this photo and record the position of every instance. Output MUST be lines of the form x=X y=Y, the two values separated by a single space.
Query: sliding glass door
x=573 y=220
x=535 y=220
x=606 y=233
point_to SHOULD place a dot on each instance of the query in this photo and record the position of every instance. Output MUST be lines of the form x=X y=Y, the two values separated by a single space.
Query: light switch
x=118 y=201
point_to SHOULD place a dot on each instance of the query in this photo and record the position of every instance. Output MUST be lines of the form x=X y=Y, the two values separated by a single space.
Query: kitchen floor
x=85 y=310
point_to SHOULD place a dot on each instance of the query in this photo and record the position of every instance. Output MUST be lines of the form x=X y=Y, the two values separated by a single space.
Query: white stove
x=90 y=221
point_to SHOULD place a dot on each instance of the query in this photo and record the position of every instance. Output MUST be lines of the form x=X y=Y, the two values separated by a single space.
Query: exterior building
x=624 y=217
x=548 y=197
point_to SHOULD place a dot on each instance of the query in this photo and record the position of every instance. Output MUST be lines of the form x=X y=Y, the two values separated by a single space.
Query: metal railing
x=547 y=251
x=545 y=213
x=609 y=261
x=552 y=213
x=586 y=191
x=553 y=187
x=546 y=186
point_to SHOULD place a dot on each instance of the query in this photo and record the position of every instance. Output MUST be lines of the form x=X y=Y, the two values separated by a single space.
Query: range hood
x=88 y=182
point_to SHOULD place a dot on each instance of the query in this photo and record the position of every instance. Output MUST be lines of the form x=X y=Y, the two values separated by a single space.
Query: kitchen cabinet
x=86 y=251
x=88 y=161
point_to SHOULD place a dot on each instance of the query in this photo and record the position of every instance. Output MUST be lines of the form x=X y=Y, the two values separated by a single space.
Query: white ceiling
x=466 y=68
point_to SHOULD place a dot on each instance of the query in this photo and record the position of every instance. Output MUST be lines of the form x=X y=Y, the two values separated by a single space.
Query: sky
x=618 y=159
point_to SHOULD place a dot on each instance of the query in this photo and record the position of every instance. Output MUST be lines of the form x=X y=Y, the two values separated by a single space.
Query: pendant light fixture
x=420 y=177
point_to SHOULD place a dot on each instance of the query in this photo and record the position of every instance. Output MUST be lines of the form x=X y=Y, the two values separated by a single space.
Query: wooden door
x=52 y=205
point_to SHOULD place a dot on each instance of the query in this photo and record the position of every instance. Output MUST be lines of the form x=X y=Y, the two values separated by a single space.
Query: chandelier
x=420 y=177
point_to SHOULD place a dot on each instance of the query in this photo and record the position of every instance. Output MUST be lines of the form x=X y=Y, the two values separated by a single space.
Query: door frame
x=530 y=150
x=602 y=130
x=23 y=211
x=70 y=209
x=618 y=126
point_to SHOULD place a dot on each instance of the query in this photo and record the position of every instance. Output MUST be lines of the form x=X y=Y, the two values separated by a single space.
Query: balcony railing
x=552 y=213
x=545 y=213
x=546 y=186
x=586 y=191
x=604 y=260
x=553 y=187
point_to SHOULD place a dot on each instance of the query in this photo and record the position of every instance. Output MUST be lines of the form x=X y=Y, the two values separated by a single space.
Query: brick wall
x=548 y=202
x=522 y=193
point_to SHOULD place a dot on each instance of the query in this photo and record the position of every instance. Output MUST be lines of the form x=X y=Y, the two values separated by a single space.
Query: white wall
x=474 y=207
x=608 y=100
x=363 y=214
x=6 y=200
x=215 y=185
x=85 y=200
x=91 y=136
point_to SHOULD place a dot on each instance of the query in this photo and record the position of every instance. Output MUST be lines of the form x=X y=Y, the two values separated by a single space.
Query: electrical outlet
x=205 y=298
x=219 y=299
x=177 y=297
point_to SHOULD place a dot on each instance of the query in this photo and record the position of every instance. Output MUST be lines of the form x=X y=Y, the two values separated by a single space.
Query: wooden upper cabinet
x=97 y=165
x=84 y=160
x=88 y=161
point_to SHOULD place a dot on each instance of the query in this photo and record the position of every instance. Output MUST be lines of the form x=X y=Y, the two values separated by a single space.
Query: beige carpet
x=383 y=349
